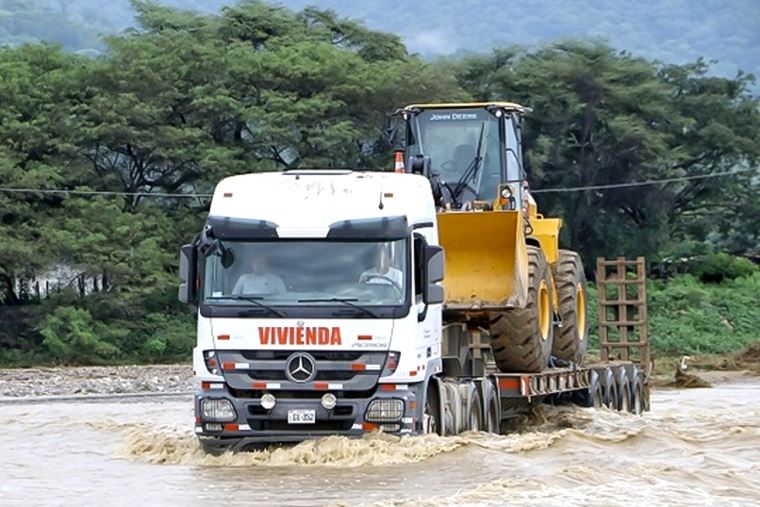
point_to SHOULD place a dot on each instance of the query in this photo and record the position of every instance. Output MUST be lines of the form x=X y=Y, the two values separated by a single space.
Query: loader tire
x=571 y=340
x=521 y=338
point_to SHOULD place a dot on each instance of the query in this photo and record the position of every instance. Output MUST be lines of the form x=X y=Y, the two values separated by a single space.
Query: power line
x=101 y=192
x=639 y=183
x=534 y=191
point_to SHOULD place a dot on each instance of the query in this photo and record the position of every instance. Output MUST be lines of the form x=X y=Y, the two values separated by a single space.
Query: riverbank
x=178 y=378
x=710 y=367
x=90 y=380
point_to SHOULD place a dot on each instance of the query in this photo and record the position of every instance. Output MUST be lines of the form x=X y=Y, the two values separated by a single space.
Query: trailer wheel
x=597 y=397
x=570 y=340
x=624 y=390
x=475 y=411
x=431 y=416
x=611 y=396
x=522 y=337
x=591 y=397
x=493 y=412
x=637 y=392
x=609 y=388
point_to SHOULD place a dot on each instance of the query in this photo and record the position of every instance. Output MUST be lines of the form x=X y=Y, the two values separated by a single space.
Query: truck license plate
x=301 y=417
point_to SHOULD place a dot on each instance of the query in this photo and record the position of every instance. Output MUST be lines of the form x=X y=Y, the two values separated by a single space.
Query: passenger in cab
x=259 y=280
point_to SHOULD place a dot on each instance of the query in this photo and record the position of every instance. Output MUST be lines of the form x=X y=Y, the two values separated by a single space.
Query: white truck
x=319 y=312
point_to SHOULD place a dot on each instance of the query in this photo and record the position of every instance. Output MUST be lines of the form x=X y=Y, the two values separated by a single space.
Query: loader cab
x=467 y=151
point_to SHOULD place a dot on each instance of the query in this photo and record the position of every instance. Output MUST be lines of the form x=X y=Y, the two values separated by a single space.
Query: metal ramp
x=623 y=322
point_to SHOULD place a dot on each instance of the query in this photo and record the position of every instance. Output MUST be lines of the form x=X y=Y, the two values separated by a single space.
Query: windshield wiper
x=257 y=301
x=346 y=301
x=472 y=169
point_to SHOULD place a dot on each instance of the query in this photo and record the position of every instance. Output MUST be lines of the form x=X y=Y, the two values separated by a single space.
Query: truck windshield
x=450 y=137
x=307 y=272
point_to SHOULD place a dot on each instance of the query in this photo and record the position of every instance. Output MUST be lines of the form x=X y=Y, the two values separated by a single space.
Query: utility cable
x=532 y=191
x=639 y=183
x=101 y=192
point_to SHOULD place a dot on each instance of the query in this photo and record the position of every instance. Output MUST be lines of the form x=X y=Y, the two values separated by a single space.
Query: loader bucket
x=486 y=259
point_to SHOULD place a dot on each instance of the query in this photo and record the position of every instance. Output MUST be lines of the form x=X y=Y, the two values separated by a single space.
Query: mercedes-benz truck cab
x=319 y=306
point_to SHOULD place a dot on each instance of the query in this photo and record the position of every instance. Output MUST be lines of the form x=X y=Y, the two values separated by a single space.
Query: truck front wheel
x=431 y=416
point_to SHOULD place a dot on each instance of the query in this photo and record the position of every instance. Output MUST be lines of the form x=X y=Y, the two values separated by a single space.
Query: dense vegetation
x=189 y=98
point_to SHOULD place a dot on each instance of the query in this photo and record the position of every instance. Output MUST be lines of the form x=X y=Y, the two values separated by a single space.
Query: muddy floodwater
x=696 y=447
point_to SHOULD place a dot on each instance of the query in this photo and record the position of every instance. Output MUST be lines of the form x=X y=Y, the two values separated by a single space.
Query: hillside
x=675 y=31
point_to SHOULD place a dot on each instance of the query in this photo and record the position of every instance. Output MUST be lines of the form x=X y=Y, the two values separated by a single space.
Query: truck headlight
x=218 y=410
x=385 y=410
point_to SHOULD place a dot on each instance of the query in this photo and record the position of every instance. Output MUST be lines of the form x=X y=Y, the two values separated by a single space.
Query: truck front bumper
x=254 y=425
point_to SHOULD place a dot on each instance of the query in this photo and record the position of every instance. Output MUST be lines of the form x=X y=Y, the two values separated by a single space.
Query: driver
x=259 y=280
x=460 y=160
x=463 y=155
x=383 y=272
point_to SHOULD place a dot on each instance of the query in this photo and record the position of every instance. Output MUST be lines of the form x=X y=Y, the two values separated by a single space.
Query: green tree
x=72 y=336
x=602 y=117
x=40 y=85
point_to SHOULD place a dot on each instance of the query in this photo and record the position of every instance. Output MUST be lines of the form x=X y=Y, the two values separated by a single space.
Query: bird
x=683 y=379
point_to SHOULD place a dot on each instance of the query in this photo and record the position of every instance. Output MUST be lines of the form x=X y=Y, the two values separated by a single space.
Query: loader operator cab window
x=451 y=138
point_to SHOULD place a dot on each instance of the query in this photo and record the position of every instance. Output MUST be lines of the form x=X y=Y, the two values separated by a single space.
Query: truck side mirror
x=432 y=293
x=188 y=262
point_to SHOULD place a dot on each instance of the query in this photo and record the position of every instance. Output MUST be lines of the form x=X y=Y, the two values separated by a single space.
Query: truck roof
x=304 y=203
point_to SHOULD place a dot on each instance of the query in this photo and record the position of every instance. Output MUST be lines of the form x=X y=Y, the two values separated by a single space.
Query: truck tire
x=521 y=338
x=213 y=446
x=431 y=414
x=571 y=340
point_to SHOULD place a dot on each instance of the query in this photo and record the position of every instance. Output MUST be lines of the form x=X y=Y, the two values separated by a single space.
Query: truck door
x=428 y=316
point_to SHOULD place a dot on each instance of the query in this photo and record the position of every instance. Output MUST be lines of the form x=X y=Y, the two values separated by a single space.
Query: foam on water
x=177 y=444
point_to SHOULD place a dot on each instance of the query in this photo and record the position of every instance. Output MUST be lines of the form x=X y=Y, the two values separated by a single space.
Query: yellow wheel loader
x=505 y=273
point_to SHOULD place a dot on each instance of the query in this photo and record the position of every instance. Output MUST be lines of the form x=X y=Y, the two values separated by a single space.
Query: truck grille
x=327 y=376
x=266 y=370
x=283 y=355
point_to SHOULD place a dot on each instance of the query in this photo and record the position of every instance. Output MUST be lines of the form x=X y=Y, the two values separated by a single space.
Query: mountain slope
x=674 y=31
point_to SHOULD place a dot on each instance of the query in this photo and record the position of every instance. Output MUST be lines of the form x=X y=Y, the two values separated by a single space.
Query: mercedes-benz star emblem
x=300 y=368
